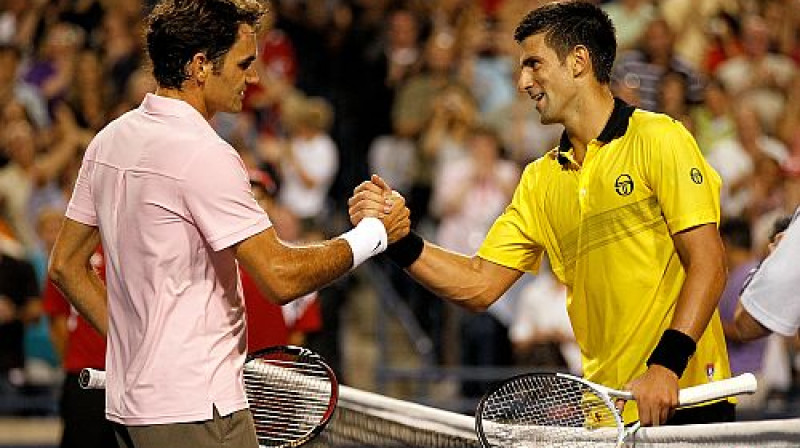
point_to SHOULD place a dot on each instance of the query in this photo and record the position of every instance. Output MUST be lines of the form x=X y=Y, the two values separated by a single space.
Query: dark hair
x=780 y=225
x=736 y=231
x=572 y=23
x=179 y=29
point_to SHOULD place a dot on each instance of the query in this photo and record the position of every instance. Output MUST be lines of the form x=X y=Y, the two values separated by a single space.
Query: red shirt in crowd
x=269 y=324
x=85 y=347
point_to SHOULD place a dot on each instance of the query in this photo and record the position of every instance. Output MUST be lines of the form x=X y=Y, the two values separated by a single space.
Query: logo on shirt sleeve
x=624 y=185
x=696 y=175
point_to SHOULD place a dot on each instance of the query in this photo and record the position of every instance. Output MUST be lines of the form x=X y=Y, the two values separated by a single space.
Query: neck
x=588 y=118
x=189 y=96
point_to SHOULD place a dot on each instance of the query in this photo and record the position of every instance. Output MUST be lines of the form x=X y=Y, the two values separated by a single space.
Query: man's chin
x=544 y=119
x=236 y=107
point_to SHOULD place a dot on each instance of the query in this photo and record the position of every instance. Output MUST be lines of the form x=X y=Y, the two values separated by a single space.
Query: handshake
x=376 y=199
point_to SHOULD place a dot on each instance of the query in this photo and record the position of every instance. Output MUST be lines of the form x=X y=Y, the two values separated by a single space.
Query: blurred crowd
x=422 y=92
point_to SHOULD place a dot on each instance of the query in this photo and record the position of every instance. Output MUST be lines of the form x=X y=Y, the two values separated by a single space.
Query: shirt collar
x=162 y=105
x=616 y=126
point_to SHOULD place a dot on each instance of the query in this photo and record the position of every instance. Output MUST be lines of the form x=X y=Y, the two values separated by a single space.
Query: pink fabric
x=170 y=198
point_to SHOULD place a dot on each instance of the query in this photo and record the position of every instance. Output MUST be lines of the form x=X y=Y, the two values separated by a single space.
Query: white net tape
x=365 y=419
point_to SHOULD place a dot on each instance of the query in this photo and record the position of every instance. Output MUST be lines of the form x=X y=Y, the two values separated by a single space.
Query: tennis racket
x=557 y=409
x=291 y=391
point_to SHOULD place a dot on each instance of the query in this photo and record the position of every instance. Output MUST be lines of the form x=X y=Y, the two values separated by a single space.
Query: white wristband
x=366 y=239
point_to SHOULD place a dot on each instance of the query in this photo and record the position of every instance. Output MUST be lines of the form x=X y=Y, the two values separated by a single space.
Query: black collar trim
x=616 y=126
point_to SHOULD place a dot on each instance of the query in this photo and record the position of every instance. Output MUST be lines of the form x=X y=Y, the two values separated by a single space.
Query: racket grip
x=743 y=384
x=92 y=379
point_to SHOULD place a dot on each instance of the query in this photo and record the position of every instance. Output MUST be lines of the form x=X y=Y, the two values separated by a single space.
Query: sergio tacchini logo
x=624 y=185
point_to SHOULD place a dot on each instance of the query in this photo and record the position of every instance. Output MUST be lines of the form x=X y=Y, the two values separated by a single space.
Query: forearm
x=457 y=278
x=745 y=328
x=304 y=269
x=699 y=298
x=87 y=293
x=284 y=272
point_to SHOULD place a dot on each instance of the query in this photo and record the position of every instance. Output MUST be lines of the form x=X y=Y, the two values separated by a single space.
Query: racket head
x=292 y=395
x=547 y=409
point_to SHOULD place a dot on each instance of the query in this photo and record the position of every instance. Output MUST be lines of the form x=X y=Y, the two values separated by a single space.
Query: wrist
x=367 y=239
x=673 y=351
x=405 y=251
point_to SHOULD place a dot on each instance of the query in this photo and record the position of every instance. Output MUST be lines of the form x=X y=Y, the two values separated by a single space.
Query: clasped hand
x=375 y=198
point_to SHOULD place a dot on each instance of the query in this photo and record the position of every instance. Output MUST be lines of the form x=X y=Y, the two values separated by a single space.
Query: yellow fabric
x=607 y=226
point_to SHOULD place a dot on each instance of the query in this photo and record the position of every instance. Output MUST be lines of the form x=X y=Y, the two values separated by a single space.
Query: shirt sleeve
x=513 y=240
x=217 y=194
x=771 y=297
x=686 y=186
x=81 y=205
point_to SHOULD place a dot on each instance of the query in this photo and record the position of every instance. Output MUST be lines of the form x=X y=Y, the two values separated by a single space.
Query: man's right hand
x=375 y=198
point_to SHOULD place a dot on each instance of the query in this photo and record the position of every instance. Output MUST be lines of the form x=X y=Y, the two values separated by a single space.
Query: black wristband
x=673 y=351
x=405 y=251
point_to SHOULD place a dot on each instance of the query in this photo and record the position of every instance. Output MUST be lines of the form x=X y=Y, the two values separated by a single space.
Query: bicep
x=699 y=243
x=499 y=278
x=472 y=282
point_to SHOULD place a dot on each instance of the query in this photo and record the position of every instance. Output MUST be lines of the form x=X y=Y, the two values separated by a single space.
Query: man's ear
x=199 y=67
x=581 y=62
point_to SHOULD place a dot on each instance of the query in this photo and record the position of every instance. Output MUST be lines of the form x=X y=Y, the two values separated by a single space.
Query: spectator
x=19 y=306
x=635 y=14
x=642 y=69
x=28 y=179
x=735 y=159
x=469 y=194
x=53 y=72
x=673 y=100
x=12 y=88
x=758 y=75
x=540 y=330
x=724 y=32
x=310 y=160
x=714 y=119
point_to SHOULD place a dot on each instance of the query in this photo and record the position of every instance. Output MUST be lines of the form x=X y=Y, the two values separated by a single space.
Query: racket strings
x=289 y=397
x=537 y=410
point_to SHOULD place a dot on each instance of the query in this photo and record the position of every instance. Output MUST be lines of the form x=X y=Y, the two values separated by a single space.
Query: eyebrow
x=529 y=61
x=247 y=61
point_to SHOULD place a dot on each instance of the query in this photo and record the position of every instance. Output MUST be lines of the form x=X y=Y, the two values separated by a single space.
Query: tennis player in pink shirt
x=172 y=205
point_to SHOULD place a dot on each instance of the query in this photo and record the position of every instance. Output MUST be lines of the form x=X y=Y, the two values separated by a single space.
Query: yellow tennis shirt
x=606 y=227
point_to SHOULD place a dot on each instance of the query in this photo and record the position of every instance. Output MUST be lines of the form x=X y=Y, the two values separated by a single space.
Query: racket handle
x=743 y=384
x=92 y=379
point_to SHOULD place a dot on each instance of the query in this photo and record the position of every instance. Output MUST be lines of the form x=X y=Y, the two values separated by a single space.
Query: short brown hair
x=179 y=29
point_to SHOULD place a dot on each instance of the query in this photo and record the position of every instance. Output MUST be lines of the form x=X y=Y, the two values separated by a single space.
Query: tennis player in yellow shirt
x=627 y=210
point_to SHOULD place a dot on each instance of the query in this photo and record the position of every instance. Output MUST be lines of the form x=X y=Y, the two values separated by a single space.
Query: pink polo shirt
x=170 y=198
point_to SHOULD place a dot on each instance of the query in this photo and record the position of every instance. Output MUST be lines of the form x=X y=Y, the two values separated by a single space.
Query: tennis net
x=365 y=419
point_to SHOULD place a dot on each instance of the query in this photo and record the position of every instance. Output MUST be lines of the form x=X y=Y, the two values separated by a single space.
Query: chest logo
x=697 y=176
x=624 y=185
